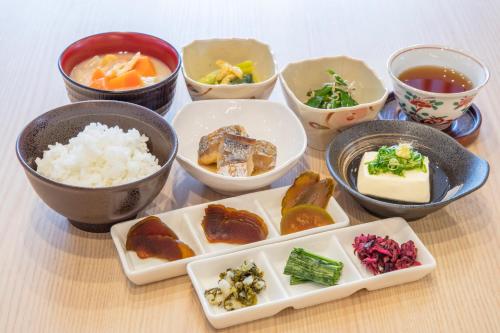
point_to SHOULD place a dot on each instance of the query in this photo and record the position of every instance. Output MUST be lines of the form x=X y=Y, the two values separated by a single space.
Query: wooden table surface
x=55 y=278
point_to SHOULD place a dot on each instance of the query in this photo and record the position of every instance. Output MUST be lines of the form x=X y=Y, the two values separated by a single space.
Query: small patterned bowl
x=322 y=125
x=430 y=108
x=96 y=209
x=199 y=59
x=454 y=171
x=157 y=97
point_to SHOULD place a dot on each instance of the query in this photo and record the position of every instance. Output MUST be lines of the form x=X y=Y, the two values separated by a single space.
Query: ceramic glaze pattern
x=431 y=110
x=464 y=129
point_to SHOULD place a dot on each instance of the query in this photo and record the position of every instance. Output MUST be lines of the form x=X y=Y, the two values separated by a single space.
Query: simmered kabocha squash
x=303 y=217
x=304 y=203
x=308 y=189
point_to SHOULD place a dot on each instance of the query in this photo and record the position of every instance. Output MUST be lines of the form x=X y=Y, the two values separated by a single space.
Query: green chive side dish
x=332 y=95
x=396 y=160
x=304 y=266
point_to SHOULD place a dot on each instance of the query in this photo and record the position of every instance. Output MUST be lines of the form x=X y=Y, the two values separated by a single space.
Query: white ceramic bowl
x=431 y=108
x=322 y=125
x=264 y=120
x=199 y=59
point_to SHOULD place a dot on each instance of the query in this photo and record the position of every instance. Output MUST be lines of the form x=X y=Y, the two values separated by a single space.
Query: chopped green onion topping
x=396 y=160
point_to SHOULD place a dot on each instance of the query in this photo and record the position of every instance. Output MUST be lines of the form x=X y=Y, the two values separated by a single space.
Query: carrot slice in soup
x=130 y=79
x=145 y=67
x=98 y=73
x=99 y=84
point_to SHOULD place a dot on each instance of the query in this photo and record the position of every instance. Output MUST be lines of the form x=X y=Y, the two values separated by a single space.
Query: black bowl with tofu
x=453 y=171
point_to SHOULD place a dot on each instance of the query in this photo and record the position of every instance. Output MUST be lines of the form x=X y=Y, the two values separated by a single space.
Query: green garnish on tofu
x=397 y=159
x=332 y=95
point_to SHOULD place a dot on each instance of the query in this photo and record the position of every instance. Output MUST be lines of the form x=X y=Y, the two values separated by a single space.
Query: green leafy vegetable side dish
x=229 y=74
x=332 y=95
x=304 y=266
x=397 y=159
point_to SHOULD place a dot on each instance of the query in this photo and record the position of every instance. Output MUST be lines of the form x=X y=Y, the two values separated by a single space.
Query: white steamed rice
x=99 y=156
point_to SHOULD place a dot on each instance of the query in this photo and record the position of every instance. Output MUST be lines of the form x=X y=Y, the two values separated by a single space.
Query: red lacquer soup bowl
x=157 y=97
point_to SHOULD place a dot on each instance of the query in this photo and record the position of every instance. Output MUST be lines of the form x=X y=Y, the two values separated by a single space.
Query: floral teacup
x=431 y=108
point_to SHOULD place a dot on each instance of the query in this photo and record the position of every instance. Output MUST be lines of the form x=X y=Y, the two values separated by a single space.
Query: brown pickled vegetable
x=228 y=225
x=150 y=237
x=151 y=225
x=308 y=189
x=303 y=217
x=158 y=246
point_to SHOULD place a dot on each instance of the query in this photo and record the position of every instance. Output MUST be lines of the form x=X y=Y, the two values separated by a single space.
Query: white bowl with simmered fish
x=200 y=57
x=264 y=120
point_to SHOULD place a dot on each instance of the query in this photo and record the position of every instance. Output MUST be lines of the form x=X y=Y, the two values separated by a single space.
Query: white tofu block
x=413 y=187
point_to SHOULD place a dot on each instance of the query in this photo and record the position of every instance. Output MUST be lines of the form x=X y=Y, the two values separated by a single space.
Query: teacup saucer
x=464 y=129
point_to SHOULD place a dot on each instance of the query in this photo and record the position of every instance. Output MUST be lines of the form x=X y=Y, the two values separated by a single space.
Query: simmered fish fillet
x=208 y=149
x=264 y=157
x=236 y=156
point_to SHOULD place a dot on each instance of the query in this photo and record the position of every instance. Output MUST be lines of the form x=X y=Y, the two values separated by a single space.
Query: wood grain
x=54 y=278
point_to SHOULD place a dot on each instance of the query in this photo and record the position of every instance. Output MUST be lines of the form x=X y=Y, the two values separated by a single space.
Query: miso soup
x=120 y=71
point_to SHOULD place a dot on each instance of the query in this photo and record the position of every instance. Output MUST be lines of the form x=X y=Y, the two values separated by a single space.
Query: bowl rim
x=267 y=81
x=169 y=78
x=472 y=91
x=263 y=175
x=372 y=200
x=165 y=165
x=337 y=110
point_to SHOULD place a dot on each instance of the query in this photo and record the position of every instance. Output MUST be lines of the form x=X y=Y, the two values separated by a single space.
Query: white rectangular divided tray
x=279 y=294
x=186 y=223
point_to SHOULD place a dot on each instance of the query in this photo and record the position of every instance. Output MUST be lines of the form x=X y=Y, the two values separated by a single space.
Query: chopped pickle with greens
x=237 y=287
x=332 y=95
x=304 y=266
x=229 y=74
x=397 y=159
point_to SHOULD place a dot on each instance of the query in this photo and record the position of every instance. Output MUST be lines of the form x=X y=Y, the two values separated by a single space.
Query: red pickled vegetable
x=382 y=254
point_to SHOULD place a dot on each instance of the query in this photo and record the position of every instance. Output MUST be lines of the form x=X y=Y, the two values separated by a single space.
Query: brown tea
x=436 y=79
